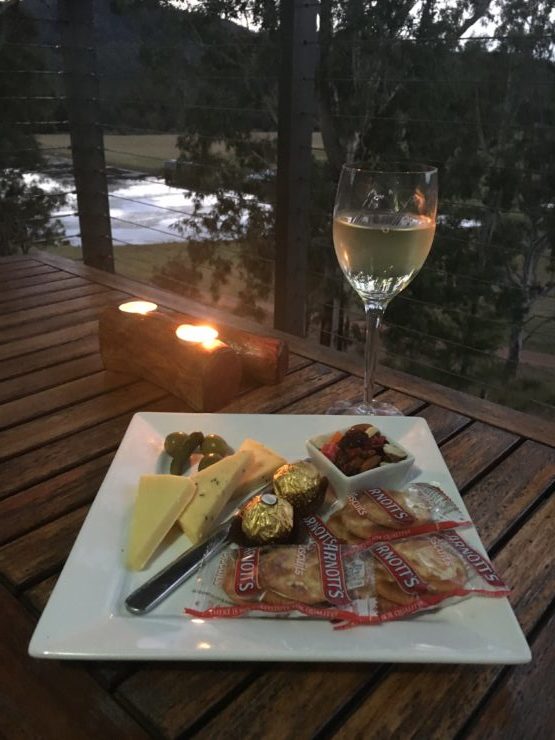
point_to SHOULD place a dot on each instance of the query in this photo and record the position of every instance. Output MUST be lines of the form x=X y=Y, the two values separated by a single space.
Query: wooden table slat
x=60 y=396
x=52 y=498
x=41 y=551
x=51 y=277
x=302 y=697
x=183 y=693
x=19 y=368
x=443 y=422
x=27 y=319
x=39 y=594
x=45 y=699
x=475 y=450
x=406 y=404
x=320 y=400
x=522 y=705
x=12 y=295
x=37 y=432
x=12 y=259
x=297 y=362
x=295 y=385
x=40 y=380
x=47 y=340
x=13 y=272
x=61 y=315
x=65 y=293
x=503 y=496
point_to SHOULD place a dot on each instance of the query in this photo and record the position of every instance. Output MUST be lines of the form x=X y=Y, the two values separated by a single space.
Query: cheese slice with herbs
x=160 y=500
x=215 y=485
x=261 y=469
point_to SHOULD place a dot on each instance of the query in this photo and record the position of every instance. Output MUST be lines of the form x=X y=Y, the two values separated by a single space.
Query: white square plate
x=85 y=617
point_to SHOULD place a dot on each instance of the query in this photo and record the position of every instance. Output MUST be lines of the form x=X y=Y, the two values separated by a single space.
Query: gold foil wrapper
x=300 y=484
x=267 y=518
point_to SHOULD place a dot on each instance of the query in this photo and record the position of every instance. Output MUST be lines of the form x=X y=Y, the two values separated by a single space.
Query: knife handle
x=160 y=586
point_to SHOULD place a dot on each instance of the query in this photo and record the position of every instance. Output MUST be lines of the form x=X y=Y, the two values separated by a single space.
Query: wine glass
x=384 y=221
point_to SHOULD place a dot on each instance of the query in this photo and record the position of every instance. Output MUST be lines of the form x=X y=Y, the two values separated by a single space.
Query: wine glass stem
x=374 y=314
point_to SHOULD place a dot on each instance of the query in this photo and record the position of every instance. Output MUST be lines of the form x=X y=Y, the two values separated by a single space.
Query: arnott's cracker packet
x=379 y=514
x=349 y=584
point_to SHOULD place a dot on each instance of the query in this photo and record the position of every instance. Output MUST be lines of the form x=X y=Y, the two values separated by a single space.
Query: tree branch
x=400 y=18
x=481 y=7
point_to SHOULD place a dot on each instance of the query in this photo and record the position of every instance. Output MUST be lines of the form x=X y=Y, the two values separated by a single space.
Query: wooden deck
x=62 y=417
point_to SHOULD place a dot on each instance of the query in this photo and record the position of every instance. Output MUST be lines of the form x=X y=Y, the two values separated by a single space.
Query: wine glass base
x=360 y=408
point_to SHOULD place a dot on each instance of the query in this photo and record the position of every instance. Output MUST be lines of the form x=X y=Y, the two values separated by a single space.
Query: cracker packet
x=380 y=514
x=345 y=584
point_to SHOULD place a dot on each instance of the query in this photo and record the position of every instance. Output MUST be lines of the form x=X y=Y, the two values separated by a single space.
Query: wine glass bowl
x=383 y=226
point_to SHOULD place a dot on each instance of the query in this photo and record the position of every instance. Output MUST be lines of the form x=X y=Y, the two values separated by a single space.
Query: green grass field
x=144 y=152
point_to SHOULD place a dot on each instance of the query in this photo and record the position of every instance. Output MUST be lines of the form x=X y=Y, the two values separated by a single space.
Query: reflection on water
x=137 y=204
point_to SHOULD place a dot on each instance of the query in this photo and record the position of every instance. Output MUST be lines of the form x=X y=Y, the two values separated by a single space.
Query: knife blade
x=160 y=586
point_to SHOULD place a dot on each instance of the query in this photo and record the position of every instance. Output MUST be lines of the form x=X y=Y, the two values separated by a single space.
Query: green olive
x=178 y=464
x=182 y=449
x=174 y=442
x=209 y=459
x=214 y=443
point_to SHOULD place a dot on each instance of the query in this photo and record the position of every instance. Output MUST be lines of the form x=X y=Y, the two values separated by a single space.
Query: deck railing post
x=87 y=143
x=299 y=52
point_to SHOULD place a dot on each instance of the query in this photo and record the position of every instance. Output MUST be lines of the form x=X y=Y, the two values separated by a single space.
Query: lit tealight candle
x=142 y=307
x=204 y=335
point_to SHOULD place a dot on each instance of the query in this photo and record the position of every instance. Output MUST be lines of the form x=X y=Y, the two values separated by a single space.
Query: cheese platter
x=87 y=616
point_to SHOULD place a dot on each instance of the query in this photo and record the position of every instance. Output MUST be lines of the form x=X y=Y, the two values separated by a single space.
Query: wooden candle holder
x=207 y=376
x=264 y=360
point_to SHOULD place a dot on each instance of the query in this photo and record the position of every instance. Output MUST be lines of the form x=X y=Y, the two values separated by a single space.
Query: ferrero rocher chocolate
x=267 y=518
x=300 y=484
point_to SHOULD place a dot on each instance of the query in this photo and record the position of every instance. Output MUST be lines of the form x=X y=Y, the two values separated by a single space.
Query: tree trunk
x=330 y=139
x=515 y=348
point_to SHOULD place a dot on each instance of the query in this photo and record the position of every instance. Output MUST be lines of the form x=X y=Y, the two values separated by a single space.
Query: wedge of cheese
x=214 y=487
x=160 y=500
x=261 y=469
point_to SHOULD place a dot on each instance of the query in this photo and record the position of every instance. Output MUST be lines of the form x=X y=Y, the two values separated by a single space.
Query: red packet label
x=397 y=566
x=333 y=576
x=482 y=566
x=385 y=502
x=246 y=571
x=318 y=530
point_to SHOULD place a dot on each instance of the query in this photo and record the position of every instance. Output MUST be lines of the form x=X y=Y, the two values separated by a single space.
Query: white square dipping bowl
x=386 y=476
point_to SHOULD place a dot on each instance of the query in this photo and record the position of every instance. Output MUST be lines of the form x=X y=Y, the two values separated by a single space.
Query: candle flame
x=141 y=307
x=419 y=200
x=204 y=335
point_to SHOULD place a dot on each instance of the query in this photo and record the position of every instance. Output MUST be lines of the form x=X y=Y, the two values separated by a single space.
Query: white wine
x=380 y=253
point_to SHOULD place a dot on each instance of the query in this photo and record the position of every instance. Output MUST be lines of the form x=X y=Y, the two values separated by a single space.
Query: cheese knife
x=164 y=583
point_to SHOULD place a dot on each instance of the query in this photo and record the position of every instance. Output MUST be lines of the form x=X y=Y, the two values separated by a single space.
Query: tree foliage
x=395 y=80
x=25 y=208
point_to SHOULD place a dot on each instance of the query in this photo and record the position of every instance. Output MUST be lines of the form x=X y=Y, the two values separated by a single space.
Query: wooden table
x=61 y=419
